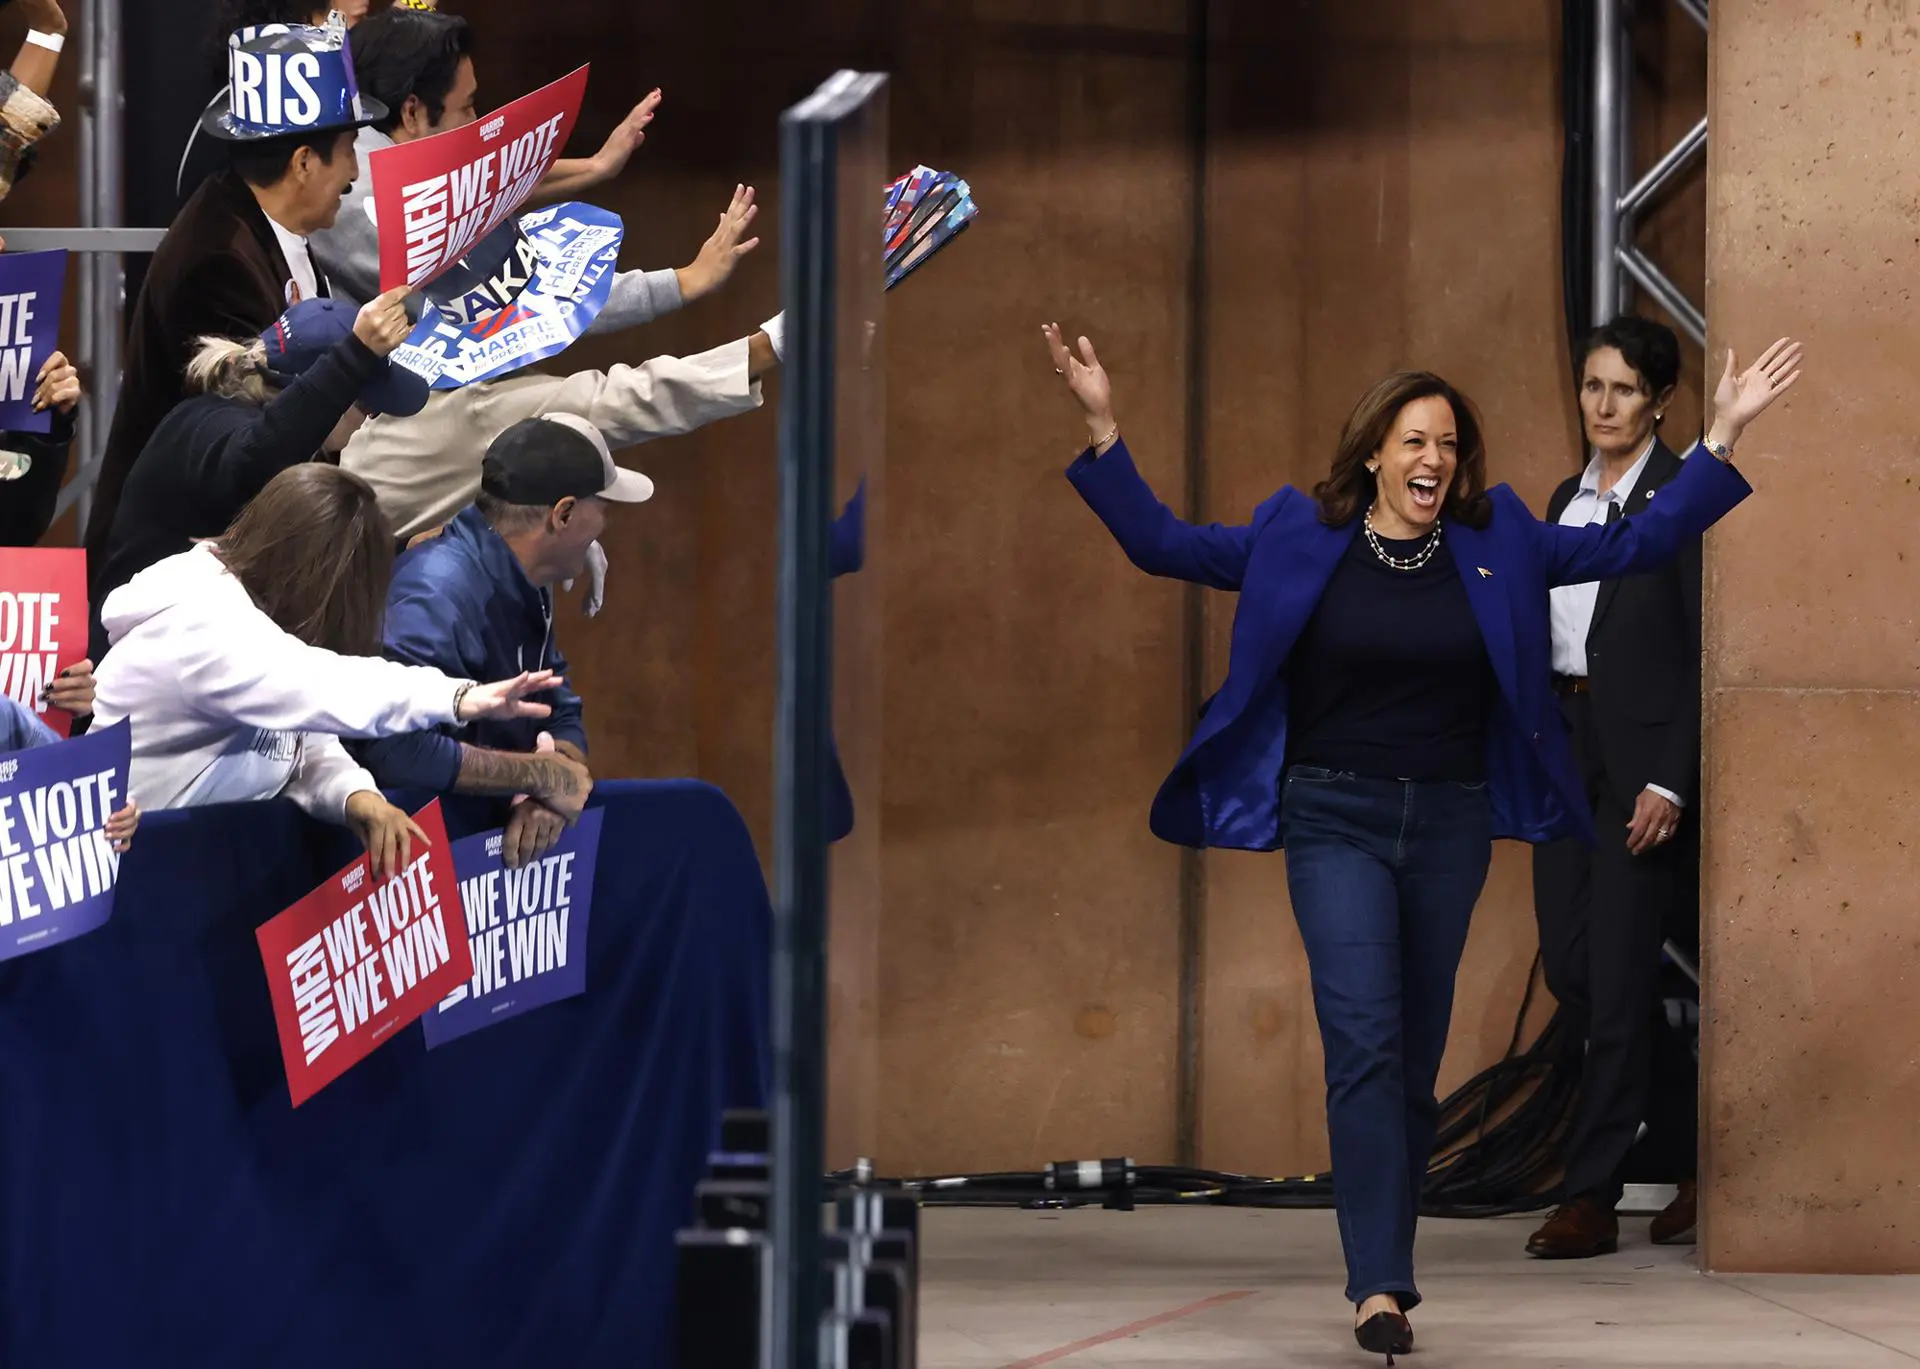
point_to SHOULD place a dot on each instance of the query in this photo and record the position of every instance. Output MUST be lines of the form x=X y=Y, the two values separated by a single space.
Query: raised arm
x=1154 y=538
x=1707 y=488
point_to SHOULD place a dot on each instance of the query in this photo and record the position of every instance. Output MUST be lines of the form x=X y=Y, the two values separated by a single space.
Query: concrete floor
x=1214 y=1288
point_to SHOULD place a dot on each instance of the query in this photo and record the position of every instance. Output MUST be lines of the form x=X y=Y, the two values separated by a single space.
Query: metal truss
x=1618 y=263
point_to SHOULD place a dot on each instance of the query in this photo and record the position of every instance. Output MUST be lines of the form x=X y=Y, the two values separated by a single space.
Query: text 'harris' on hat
x=285 y=80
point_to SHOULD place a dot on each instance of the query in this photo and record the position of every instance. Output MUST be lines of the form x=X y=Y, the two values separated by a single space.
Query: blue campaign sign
x=57 y=867
x=575 y=249
x=527 y=929
x=31 y=286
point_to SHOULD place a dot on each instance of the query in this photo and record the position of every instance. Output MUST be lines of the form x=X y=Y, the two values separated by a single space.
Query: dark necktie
x=1613 y=511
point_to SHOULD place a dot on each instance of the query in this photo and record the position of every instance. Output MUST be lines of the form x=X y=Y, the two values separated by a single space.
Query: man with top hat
x=482 y=592
x=236 y=255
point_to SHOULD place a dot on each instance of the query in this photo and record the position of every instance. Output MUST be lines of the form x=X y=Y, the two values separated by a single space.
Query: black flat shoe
x=1385 y=1333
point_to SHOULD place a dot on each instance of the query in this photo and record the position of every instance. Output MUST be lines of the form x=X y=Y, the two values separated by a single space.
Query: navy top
x=1390 y=679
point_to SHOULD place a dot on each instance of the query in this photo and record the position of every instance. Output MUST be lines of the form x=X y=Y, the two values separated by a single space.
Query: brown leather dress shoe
x=1580 y=1230
x=1676 y=1222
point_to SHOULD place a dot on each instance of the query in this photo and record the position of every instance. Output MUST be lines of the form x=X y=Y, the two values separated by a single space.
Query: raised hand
x=508 y=698
x=1743 y=397
x=721 y=252
x=382 y=323
x=1086 y=380
x=625 y=140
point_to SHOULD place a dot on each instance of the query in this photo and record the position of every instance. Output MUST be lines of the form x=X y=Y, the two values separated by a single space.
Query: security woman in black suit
x=1626 y=660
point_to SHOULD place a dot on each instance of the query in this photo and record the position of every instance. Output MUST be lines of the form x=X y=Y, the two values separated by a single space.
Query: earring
x=1372 y=469
x=1659 y=418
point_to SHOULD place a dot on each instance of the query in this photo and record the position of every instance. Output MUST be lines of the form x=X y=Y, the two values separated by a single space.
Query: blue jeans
x=1383 y=875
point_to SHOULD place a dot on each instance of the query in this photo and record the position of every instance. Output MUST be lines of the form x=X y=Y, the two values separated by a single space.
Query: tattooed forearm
x=505 y=772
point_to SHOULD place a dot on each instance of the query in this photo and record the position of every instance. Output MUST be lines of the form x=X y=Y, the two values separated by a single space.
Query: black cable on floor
x=1497 y=1152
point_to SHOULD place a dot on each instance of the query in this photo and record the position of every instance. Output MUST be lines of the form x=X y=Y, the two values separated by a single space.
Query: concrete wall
x=1812 y=1090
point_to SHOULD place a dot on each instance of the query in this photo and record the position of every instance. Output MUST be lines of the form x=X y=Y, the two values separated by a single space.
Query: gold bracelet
x=1718 y=450
x=1108 y=438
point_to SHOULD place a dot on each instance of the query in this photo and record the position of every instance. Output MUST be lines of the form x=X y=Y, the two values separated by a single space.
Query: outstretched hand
x=1086 y=380
x=1743 y=396
x=625 y=139
x=722 y=250
x=508 y=698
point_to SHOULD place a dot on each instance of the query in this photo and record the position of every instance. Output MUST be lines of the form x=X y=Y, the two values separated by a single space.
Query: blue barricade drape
x=507 y=1200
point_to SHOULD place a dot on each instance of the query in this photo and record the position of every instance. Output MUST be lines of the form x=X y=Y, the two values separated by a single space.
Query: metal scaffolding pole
x=101 y=274
x=1609 y=128
x=1618 y=262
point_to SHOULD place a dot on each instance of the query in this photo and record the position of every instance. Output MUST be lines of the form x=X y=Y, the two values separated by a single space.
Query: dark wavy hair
x=1650 y=348
x=1348 y=490
x=401 y=52
x=315 y=554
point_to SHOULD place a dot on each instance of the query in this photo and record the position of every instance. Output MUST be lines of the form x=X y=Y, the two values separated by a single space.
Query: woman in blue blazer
x=1387 y=712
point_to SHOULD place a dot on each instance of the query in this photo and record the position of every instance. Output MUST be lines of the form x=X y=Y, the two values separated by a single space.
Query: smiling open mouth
x=1426 y=490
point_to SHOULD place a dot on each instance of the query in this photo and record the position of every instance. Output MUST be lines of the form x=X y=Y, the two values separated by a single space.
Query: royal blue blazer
x=1225 y=790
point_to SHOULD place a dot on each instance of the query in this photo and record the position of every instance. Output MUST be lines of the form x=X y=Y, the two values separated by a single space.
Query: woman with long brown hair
x=1388 y=711
x=242 y=662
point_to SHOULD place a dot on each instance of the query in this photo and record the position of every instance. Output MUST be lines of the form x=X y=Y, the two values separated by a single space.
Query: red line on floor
x=1130 y=1329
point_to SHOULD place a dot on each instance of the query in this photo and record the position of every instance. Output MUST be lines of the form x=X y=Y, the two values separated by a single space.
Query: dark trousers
x=1603 y=914
x=1383 y=876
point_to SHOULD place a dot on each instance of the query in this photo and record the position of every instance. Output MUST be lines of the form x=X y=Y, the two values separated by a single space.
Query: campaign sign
x=43 y=623
x=527 y=929
x=434 y=198
x=31 y=286
x=57 y=868
x=576 y=248
x=353 y=962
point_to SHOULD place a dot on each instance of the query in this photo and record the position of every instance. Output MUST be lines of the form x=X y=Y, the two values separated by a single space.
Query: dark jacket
x=218 y=272
x=1643 y=657
x=462 y=604
x=27 y=504
x=1225 y=789
x=210 y=457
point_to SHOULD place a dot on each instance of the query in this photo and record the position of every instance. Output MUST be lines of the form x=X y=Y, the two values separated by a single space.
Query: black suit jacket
x=219 y=272
x=1643 y=658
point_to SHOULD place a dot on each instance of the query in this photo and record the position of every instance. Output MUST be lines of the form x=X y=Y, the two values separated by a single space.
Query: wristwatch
x=1721 y=452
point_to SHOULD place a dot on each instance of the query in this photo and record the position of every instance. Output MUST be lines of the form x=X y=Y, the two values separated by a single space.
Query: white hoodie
x=228 y=708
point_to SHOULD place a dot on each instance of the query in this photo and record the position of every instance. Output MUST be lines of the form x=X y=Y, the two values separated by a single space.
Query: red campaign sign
x=352 y=963
x=436 y=197
x=43 y=623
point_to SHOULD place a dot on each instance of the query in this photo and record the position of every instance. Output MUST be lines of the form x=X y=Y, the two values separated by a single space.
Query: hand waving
x=508 y=698
x=625 y=140
x=1086 y=379
x=721 y=252
x=1743 y=397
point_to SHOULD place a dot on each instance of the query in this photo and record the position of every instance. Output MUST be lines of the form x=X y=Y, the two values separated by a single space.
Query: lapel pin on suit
x=1485 y=574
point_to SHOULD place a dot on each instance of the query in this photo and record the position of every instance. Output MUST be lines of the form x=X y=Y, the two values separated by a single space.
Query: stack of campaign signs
x=871 y=1260
x=926 y=210
x=455 y=940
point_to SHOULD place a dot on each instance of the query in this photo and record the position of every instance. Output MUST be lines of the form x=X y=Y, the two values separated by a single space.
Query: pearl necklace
x=1413 y=562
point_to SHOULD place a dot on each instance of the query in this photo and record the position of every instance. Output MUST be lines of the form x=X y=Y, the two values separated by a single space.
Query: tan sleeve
x=426 y=468
x=664 y=397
